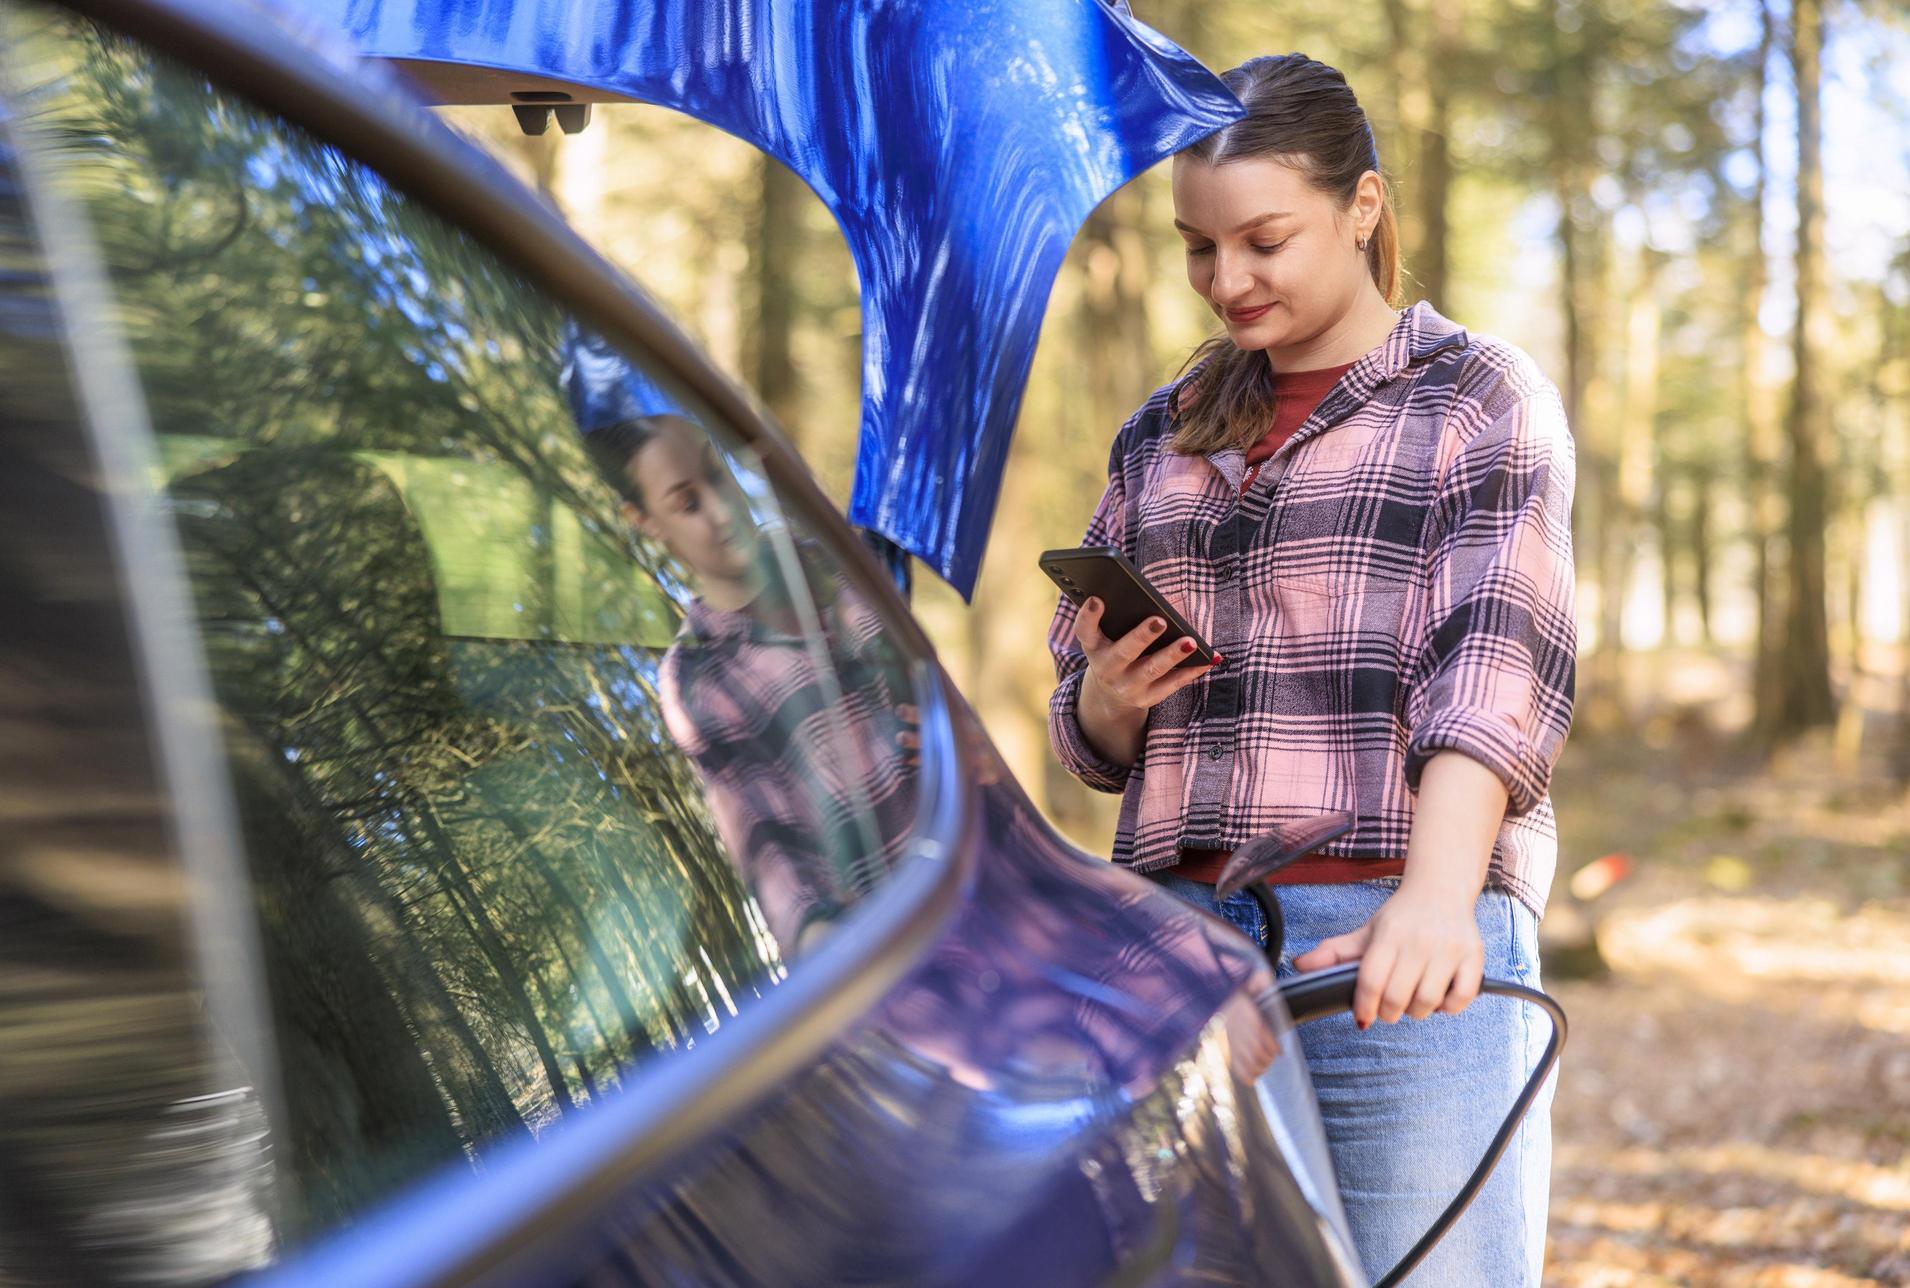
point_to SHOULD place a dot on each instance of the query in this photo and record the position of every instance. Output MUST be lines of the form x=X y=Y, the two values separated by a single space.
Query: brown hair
x=1303 y=113
x=613 y=447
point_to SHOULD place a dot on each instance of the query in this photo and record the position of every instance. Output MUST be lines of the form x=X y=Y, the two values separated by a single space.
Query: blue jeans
x=1409 y=1108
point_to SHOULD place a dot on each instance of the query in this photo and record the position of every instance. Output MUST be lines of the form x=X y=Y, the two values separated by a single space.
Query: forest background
x=1696 y=216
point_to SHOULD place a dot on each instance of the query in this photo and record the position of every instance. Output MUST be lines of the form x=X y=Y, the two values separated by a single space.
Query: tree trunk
x=1635 y=450
x=540 y=153
x=578 y=1036
x=1900 y=756
x=1596 y=522
x=1702 y=535
x=484 y=1105
x=1897 y=358
x=357 y=1085
x=1761 y=429
x=657 y=964
x=476 y=919
x=1804 y=666
x=1665 y=521
x=1567 y=110
x=1848 y=742
x=1435 y=158
x=778 y=249
x=1411 y=107
x=1113 y=315
x=614 y=983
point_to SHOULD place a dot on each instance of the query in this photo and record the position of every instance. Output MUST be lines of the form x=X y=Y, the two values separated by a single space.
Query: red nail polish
x=1187 y=646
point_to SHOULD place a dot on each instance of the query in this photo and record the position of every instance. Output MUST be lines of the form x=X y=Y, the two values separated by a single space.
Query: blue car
x=418 y=869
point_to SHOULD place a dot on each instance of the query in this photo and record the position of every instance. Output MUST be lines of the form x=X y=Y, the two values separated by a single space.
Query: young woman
x=1367 y=513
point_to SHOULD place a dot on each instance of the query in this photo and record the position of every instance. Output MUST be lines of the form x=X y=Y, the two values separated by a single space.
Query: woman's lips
x=1248 y=315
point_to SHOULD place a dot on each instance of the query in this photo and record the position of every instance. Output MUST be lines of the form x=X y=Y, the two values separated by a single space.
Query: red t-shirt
x=1296 y=394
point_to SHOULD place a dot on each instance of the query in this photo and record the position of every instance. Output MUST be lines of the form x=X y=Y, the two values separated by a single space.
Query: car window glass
x=556 y=740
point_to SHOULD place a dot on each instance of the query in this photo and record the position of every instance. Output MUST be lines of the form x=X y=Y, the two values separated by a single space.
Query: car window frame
x=459 y=1225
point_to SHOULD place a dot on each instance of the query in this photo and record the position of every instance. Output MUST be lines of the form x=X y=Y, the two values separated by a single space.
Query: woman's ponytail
x=1382 y=251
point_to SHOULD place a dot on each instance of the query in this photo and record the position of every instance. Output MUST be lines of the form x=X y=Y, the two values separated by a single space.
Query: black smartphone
x=1127 y=597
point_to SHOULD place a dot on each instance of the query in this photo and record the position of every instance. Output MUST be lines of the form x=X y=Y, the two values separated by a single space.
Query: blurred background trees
x=1696 y=215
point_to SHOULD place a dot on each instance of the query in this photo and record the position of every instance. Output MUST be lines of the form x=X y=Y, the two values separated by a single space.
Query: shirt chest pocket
x=1348 y=516
x=1335 y=450
x=1333 y=644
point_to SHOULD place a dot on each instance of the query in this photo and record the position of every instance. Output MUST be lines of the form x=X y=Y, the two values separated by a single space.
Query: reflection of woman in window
x=797 y=738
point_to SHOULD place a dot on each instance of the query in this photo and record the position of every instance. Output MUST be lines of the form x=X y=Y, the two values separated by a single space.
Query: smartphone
x=1127 y=597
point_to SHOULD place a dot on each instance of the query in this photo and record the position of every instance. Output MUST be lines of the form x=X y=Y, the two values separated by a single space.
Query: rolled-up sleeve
x=1070 y=743
x=1496 y=670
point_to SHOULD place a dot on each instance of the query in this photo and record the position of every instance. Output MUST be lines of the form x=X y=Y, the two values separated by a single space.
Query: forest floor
x=1734 y=1107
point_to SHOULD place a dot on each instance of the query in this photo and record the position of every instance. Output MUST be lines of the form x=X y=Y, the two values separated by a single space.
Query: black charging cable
x=1330 y=992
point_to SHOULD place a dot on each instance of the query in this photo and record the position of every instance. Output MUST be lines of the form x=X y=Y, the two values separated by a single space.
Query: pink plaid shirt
x=1395 y=582
x=805 y=776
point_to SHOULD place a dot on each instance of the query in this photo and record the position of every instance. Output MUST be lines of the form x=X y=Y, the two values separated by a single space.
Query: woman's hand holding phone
x=1124 y=682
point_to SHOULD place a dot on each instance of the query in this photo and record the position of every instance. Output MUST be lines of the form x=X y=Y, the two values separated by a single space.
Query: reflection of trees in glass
x=485 y=876
x=481 y=878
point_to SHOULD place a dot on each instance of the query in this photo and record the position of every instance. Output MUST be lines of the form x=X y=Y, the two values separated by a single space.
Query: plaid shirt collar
x=708 y=626
x=1418 y=334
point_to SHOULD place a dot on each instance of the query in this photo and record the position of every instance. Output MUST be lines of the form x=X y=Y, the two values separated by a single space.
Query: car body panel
x=1046 y=1097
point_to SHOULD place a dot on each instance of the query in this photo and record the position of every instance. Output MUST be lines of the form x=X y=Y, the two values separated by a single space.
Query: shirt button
x=1213 y=753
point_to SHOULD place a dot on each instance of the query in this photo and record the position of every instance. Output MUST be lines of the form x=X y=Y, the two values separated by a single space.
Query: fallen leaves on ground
x=1735 y=1103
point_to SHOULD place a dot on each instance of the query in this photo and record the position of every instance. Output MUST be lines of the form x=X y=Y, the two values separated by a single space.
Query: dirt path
x=1735 y=1108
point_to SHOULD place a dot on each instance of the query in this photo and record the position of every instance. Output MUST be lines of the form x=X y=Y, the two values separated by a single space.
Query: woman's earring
x=1361 y=243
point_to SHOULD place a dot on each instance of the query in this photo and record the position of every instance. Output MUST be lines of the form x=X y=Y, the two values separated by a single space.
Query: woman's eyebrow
x=1255 y=222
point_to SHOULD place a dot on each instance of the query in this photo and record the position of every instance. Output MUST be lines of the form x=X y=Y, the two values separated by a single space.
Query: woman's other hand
x=1251 y=1045
x=983 y=764
x=1419 y=954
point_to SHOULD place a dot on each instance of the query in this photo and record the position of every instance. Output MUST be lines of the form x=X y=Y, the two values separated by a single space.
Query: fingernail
x=1093 y=603
x=1219 y=660
x=1187 y=646
x=1363 y=1024
x=1156 y=625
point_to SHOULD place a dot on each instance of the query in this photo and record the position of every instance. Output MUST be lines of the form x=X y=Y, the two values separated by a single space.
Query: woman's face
x=691 y=503
x=1274 y=257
